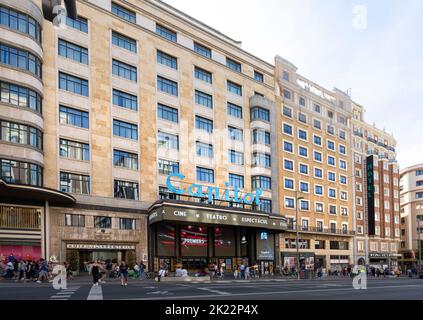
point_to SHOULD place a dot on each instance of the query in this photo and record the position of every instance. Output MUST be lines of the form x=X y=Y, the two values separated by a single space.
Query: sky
x=373 y=47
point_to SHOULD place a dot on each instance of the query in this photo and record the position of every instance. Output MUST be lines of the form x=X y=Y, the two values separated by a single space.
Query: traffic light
x=49 y=5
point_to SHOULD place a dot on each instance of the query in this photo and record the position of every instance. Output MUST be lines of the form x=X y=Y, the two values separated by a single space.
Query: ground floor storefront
x=193 y=237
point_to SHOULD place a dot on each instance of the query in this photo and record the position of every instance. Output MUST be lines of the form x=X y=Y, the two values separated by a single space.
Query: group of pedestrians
x=99 y=269
x=28 y=269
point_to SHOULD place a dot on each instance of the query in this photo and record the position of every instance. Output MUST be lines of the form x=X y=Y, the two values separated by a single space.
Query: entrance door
x=195 y=264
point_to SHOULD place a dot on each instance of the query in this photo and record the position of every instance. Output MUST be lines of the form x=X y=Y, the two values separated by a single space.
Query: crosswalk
x=64 y=294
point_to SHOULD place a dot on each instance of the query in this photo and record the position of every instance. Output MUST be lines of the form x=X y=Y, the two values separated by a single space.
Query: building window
x=317 y=156
x=125 y=130
x=344 y=211
x=261 y=182
x=289 y=184
x=319 y=209
x=265 y=205
x=332 y=209
x=73 y=84
x=317 y=108
x=235 y=134
x=303 y=151
x=289 y=165
x=304 y=187
x=102 y=222
x=74 y=183
x=74 y=220
x=317 y=140
x=302 y=117
x=318 y=173
x=261 y=137
x=124 y=42
x=331 y=161
x=302 y=102
x=259 y=113
x=125 y=100
x=203 y=99
x=302 y=134
x=126 y=190
x=124 y=13
x=204 y=124
x=124 y=70
x=342 y=149
x=20 y=59
x=317 y=124
x=80 y=23
x=74 y=117
x=204 y=150
x=419 y=195
x=320 y=244
x=125 y=159
x=258 y=76
x=167 y=86
x=304 y=169
x=21 y=134
x=20 y=96
x=203 y=75
x=343 y=164
x=342 y=134
x=167 y=140
x=261 y=160
x=419 y=173
x=234 y=65
x=236 y=181
x=287 y=112
x=17 y=172
x=287 y=129
x=20 y=22
x=332 y=193
x=74 y=150
x=343 y=179
x=332 y=176
x=234 y=88
x=285 y=76
x=331 y=130
x=164 y=194
x=166 y=33
x=205 y=175
x=236 y=157
x=167 y=167
x=318 y=190
x=339 y=245
x=331 y=145
x=304 y=205
x=289 y=203
x=234 y=110
x=204 y=51
x=167 y=113
x=127 y=224
x=287 y=146
x=286 y=94
x=73 y=51
x=167 y=60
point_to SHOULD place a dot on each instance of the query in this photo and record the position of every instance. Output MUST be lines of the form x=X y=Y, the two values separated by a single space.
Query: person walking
x=43 y=275
x=95 y=272
x=242 y=271
x=123 y=268
x=142 y=270
x=222 y=270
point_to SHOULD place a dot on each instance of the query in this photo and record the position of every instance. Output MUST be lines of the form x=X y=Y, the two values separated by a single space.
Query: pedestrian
x=242 y=271
x=247 y=272
x=235 y=272
x=123 y=268
x=43 y=275
x=22 y=270
x=95 y=272
x=222 y=270
x=142 y=270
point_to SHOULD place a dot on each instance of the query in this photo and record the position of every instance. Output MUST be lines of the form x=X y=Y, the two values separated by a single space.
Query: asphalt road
x=327 y=289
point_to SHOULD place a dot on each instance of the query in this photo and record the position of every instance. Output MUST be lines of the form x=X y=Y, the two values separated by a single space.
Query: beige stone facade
x=380 y=249
x=133 y=90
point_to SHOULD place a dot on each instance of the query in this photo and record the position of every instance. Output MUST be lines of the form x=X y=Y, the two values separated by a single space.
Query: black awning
x=15 y=193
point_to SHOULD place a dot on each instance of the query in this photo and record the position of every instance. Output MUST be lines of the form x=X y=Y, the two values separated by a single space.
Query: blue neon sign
x=213 y=193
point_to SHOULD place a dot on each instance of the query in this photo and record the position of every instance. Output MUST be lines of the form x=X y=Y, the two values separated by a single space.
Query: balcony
x=358 y=134
x=316 y=230
x=14 y=218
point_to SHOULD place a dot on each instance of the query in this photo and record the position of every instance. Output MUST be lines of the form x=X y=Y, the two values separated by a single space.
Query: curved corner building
x=24 y=200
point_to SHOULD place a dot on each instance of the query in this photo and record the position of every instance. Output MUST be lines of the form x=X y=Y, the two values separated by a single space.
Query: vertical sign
x=370 y=195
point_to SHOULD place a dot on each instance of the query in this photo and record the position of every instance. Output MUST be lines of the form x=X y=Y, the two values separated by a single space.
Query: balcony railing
x=16 y=218
x=359 y=134
x=303 y=229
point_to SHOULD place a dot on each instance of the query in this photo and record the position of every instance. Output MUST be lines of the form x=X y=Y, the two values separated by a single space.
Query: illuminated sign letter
x=169 y=185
